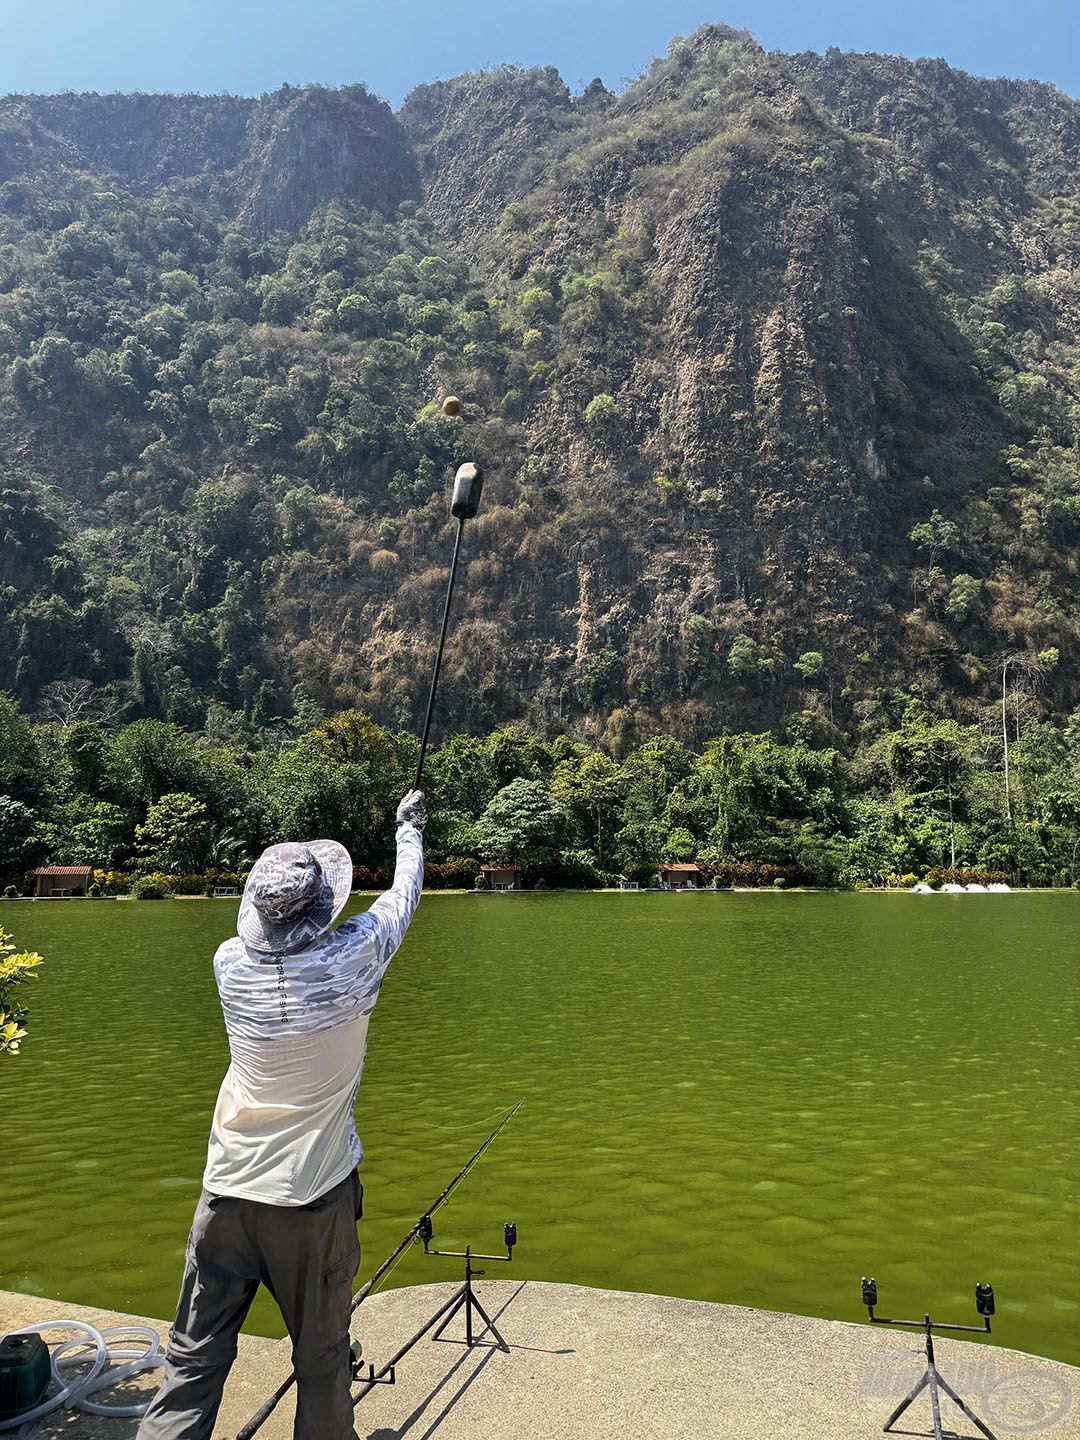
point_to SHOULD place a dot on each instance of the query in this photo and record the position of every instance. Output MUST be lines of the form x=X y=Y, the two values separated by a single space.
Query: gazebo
x=60 y=882
x=679 y=877
x=502 y=877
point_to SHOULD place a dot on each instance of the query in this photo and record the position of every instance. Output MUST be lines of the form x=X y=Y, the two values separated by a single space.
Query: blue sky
x=248 y=46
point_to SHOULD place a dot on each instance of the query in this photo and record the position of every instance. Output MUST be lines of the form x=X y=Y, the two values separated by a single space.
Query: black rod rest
x=931 y=1377
x=465 y=1298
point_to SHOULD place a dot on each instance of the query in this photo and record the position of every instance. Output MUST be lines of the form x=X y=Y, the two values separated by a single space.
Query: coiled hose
x=76 y=1392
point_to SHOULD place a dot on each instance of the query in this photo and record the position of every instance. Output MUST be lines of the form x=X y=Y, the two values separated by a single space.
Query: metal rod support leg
x=919 y=1388
x=935 y=1403
x=491 y=1326
x=936 y=1382
x=965 y=1408
x=466 y=1298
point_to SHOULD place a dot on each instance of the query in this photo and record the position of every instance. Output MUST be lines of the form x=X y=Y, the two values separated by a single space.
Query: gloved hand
x=413 y=810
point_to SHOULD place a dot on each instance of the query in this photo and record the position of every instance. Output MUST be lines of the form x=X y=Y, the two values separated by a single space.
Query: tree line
x=149 y=799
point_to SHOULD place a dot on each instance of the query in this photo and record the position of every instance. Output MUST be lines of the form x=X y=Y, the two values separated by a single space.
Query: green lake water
x=750 y=1098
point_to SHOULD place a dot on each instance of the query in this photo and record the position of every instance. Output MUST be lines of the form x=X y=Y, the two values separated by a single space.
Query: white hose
x=74 y=1393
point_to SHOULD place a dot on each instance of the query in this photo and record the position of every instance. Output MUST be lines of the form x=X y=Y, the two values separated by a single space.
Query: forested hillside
x=772 y=361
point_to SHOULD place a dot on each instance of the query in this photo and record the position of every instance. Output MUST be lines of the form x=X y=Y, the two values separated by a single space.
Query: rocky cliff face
x=771 y=357
x=306 y=147
x=270 y=162
x=484 y=141
x=756 y=326
x=145 y=140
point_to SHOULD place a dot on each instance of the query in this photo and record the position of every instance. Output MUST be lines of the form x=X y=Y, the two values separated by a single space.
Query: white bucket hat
x=293 y=893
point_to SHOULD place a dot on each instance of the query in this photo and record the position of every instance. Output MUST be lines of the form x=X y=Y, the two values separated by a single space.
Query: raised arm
x=362 y=948
x=393 y=910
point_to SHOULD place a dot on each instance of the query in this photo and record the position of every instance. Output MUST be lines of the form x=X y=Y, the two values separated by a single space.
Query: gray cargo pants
x=306 y=1256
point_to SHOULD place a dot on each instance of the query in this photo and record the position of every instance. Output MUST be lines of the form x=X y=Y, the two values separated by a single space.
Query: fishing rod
x=464 y=503
x=266 y=1410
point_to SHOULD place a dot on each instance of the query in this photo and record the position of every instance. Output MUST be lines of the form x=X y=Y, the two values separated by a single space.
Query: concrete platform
x=606 y=1365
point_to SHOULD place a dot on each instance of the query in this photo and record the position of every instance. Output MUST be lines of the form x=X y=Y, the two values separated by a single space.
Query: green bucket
x=24 y=1374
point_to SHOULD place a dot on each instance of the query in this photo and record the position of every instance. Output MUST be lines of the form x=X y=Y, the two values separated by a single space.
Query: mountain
x=773 y=362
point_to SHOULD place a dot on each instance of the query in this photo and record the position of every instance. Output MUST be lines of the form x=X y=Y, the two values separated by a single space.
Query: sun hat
x=293 y=893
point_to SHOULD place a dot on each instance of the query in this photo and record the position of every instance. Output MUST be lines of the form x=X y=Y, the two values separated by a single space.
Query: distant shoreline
x=581 y=890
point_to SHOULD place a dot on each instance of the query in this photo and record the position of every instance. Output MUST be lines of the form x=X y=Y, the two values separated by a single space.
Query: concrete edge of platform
x=590 y=1363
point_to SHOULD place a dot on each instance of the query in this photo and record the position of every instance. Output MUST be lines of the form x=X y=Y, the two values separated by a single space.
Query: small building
x=679 y=877
x=502 y=877
x=60 y=882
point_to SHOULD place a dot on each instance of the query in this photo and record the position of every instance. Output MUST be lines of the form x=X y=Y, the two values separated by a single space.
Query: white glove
x=413 y=810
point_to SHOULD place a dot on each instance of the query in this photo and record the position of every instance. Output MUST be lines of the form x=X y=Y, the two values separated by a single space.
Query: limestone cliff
x=773 y=360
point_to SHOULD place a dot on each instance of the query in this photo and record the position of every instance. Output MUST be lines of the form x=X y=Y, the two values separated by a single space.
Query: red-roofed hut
x=60 y=882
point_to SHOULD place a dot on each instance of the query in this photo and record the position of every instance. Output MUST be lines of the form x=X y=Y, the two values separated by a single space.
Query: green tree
x=936 y=536
x=16 y=826
x=747 y=660
x=522 y=826
x=811 y=665
x=21 y=767
x=175 y=837
x=767 y=799
x=964 y=593
x=602 y=412
x=85 y=748
x=931 y=761
x=589 y=788
x=649 y=776
x=148 y=759
x=100 y=835
x=515 y=754
x=343 y=779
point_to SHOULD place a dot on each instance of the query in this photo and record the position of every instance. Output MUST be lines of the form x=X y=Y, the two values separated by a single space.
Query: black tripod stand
x=931 y=1377
x=466 y=1298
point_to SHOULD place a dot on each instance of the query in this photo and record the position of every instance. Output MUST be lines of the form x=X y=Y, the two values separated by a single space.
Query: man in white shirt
x=281 y=1196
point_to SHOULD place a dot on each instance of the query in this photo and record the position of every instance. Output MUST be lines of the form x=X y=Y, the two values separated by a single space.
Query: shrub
x=753 y=874
x=944 y=875
x=112 y=882
x=120 y=882
x=14 y=969
x=964 y=593
x=149 y=887
x=206 y=882
x=383 y=562
x=450 y=874
x=185 y=884
x=602 y=410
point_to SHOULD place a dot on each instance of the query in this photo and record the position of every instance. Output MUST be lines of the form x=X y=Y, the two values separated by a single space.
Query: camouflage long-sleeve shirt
x=283 y=1129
